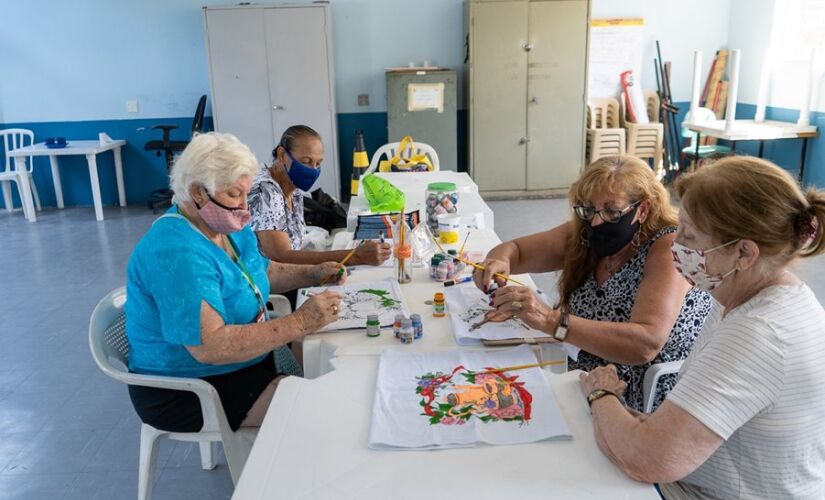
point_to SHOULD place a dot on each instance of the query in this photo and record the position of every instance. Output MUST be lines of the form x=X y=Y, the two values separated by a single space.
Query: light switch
x=131 y=106
x=363 y=99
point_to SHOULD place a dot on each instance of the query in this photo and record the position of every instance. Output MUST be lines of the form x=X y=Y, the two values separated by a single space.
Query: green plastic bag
x=381 y=195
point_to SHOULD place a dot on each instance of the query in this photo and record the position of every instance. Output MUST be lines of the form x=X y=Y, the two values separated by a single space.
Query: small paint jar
x=418 y=326
x=439 y=307
x=373 y=325
x=442 y=271
x=407 y=333
x=396 y=325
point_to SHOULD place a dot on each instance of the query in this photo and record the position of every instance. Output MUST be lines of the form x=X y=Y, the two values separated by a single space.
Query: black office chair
x=162 y=198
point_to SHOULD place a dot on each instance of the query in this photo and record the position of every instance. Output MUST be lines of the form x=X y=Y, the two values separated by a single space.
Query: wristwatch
x=561 y=330
x=598 y=394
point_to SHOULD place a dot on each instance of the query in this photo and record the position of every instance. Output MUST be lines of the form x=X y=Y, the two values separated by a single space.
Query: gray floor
x=66 y=430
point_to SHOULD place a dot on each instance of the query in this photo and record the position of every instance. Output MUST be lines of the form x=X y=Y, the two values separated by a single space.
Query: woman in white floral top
x=276 y=203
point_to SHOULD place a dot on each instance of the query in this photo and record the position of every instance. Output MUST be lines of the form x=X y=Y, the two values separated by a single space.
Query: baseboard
x=524 y=195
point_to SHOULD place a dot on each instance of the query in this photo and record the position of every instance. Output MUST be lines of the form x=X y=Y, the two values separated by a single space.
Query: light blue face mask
x=303 y=176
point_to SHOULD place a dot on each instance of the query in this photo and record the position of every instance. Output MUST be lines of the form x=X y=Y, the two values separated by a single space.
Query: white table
x=313 y=444
x=319 y=349
x=471 y=205
x=750 y=130
x=90 y=149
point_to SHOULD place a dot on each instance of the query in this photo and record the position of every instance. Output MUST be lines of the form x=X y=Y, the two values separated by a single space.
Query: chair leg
x=7 y=199
x=148 y=460
x=207 y=455
x=34 y=192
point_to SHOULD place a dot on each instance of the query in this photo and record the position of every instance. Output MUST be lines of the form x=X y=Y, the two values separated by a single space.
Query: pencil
x=523 y=367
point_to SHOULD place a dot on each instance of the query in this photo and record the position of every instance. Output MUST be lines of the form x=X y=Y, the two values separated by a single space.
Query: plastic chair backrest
x=389 y=150
x=602 y=113
x=703 y=115
x=16 y=138
x=107 y=335
x=652 y=100
x=197 y=122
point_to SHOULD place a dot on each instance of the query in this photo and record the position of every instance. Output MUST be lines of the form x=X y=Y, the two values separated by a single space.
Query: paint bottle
x=439 y=307
x=373 y=325
x=407 y=333
x=443 y=271
x=418 y=326
x=396 y=325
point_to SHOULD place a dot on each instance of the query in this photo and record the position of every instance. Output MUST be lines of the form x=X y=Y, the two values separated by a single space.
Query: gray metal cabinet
x=270 y=66
x=527 y=76
x=431 y=125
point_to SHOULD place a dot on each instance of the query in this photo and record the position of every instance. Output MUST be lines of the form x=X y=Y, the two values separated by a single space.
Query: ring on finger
x=334 y=309
x=518 y=305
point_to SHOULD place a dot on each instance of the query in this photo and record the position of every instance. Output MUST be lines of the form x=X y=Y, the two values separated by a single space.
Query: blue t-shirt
x=172 y=269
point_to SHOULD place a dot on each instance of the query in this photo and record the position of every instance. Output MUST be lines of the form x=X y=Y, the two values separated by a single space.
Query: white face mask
x=692 y=264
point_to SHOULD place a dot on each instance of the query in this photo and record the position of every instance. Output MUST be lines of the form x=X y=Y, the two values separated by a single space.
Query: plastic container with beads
x=442 y=198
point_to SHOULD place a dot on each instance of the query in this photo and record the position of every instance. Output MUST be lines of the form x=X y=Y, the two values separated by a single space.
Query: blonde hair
x=742 y=197
x=619 y=176
x=213 y=160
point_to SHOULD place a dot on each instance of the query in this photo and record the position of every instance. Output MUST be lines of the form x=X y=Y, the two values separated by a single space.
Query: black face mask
x=609 y=237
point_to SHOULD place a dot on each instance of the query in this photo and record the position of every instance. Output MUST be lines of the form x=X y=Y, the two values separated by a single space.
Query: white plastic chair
x=108 y=343
x=15 y=138
x=651 y=380
x=389 y=150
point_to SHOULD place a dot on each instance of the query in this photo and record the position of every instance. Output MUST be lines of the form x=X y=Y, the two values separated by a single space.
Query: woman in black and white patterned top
x=276 y=203
x=621 y=300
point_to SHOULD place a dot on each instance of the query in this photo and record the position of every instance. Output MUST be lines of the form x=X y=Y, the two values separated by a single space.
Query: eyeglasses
x=608 y=214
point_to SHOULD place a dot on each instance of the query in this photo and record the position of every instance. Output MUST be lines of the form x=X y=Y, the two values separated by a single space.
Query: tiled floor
x=66 y=430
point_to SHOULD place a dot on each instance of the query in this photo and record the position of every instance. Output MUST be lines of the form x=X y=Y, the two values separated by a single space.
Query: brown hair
x=750 y=198
x=615 y=175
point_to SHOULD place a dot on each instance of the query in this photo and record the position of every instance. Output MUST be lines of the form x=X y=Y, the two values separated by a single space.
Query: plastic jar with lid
x=441 y=198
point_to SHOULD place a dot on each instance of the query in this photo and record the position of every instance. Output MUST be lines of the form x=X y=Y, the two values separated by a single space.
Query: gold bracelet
x=597 y=394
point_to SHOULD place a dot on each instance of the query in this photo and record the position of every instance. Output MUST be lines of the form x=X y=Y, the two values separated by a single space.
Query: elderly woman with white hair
x=197 y=286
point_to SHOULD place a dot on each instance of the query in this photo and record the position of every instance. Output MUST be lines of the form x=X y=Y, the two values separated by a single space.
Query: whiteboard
x=616 y=45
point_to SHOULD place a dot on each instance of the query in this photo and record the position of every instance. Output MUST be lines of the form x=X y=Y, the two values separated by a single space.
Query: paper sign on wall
x=424 y=96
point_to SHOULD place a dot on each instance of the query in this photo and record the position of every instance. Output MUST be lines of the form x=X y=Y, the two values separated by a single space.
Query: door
x=556 y=85
x=237 y=68
x=299 y=75
x=498 y=75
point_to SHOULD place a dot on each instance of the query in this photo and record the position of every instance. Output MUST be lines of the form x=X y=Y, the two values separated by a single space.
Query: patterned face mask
x=223 y=219
x=692 y=264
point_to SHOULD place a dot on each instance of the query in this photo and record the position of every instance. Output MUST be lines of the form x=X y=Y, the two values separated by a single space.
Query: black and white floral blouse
x=267 y=205
x=614 y=300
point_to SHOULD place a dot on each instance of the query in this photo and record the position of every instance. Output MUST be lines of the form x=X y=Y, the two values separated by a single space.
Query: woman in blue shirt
x=196 y=288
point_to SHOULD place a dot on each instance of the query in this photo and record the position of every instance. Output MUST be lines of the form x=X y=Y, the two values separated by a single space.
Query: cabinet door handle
x=524 y=140
x=527 y=47
x=534 y=100
x=277 y=108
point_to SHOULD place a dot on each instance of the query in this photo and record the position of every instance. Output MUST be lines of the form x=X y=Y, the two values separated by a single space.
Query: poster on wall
x=616 y=45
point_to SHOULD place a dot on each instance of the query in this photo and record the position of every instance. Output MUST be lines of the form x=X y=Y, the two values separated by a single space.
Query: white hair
x=213 y=160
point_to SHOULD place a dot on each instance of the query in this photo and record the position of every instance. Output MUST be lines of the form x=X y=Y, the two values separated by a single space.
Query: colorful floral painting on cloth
x=489 y=396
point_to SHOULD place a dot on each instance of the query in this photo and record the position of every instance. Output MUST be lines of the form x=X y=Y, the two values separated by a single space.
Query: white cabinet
x=271 y=67
x=527 y=86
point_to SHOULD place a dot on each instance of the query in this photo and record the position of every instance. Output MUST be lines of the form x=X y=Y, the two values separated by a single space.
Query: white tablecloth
x=471 y=206
x=319 y=349
x=313 y=445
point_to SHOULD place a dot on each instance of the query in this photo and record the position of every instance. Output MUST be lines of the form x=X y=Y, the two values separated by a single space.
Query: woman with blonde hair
x=621 y=301
x=745 y=419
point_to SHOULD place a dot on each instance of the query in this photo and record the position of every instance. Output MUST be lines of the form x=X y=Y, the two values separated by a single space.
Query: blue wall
x=143 y=172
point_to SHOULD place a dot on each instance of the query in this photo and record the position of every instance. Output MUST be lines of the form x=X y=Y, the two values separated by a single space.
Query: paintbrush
x=522 y=367
x=343 y=261
x=483 y=268
x=461 y=251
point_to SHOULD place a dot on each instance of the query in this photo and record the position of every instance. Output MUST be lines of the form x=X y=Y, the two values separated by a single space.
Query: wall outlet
x=363 y=99
x=131 y=106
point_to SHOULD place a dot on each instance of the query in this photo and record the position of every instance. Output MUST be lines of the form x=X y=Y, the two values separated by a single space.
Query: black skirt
x=180 y=411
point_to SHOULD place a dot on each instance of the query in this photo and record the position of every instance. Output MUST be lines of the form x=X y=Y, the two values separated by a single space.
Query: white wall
x=681 y=27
